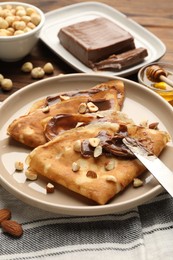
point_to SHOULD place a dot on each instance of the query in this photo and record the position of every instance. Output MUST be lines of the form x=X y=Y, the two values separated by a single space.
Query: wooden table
x=156 y=16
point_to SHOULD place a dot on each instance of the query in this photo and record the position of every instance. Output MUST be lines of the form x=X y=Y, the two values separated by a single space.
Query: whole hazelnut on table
x=6 y=84
x=37 y=73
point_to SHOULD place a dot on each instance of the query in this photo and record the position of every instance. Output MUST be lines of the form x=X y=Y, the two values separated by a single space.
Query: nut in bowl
x=158 y=77
x=20 y=26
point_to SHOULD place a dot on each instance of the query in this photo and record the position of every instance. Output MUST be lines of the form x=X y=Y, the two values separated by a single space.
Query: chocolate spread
x=110 y=145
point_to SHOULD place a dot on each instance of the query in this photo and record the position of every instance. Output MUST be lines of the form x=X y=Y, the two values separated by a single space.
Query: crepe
x=96 y=170
x=29 y=129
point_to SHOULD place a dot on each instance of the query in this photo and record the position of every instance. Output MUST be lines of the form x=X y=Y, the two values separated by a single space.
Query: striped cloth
x=142 y=233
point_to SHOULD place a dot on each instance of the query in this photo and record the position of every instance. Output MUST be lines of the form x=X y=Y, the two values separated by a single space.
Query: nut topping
x=153 y=125
x=63 y=97
x=91 y=174
x=50 y=188
x=97 y=151
x=94 y=142
x=82 y=108
x=77 y=146
x=79 y=124
x=111 y=178
x=137 y=183
x=45 y=109
x=19 y=166
x=110 y=165
x=75 y=167
x=92 y=107
x=30 y=174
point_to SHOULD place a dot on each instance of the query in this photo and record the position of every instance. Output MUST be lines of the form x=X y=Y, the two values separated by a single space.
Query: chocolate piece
x=94 y=40
x=121 y=61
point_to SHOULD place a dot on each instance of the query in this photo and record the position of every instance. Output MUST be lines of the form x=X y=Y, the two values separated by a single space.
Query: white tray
x=86 y=11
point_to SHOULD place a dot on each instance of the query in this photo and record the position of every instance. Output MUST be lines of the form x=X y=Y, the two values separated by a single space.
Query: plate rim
x=81 y=210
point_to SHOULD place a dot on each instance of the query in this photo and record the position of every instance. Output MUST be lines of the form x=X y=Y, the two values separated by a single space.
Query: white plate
x=86 y=11
x=140 y=104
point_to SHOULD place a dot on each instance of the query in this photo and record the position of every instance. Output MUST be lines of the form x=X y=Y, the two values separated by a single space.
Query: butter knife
x=159 y=170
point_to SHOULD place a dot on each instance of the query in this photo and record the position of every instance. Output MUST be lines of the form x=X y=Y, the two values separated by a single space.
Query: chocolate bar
x=94 y=40
x=121 y=61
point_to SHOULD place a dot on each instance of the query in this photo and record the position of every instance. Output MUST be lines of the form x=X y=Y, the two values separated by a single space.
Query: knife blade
x=156 y=167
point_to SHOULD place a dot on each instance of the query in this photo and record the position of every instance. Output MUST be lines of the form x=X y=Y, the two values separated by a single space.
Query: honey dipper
x=155 y=73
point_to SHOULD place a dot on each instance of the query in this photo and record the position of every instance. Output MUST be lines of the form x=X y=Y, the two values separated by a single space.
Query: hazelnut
x=75 y=167
x=97 y=151
x=110 y=165
x=92 y=108
x=137 y=183
x=91 y=174
x=27 y=67
x=1 y=78
x=19 y=166
x=50 y=188
x=30 y=174
x=94 y=141
x=111 y=178
x=46 y=109
x=37 y=73
x=48 y=68
x=6 y=84
x=77 y=146
x=82 y=108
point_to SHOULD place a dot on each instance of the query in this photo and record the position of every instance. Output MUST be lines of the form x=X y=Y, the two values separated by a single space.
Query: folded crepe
x=29 y=129
x=92 y=160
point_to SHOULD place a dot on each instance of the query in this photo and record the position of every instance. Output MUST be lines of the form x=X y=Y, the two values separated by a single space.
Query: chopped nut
x=92 y=107
x=94 y=142
x=64 y=98
x=75 y=167
x=91 y=174
x=97 y=151
x=110 y=165
x=46 y=109
x=99 y=115
x=111 y=178
x=82 y=108
x=144 y=123
x=153 y=125
x=79 y=124
x=50 y=188
x=31 y=175
x=19 y=166
x=77 y=146
x=137 y=183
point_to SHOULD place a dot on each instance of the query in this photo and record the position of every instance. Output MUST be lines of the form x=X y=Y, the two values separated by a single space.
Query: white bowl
x=14 y=48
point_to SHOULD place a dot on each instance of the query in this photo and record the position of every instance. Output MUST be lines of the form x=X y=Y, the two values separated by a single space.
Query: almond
x=5 y=214
x=12 y=227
